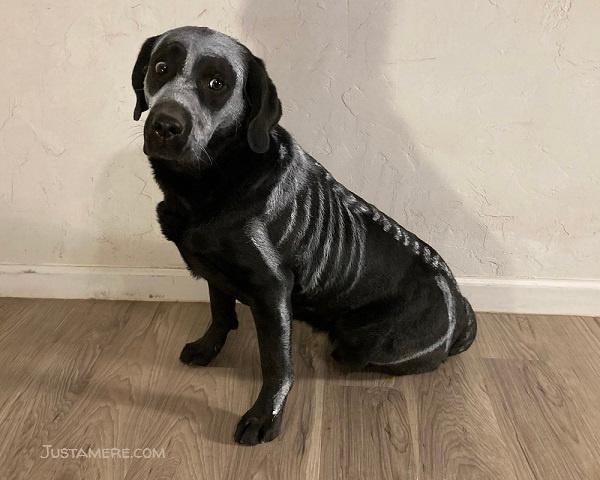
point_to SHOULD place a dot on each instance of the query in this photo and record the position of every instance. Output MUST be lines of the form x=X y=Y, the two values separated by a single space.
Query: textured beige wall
x=474 y=123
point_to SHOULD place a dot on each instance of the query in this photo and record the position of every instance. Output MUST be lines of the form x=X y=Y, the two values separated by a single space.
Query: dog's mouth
x=164 y=155
x=156 y=147
x=153 y=151
x=184 y=162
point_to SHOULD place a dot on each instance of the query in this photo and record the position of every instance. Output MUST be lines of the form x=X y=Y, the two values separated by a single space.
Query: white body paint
x=280 y=397
x=358 y=211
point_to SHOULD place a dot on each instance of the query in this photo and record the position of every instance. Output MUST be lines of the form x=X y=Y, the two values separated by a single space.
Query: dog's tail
x=468 y=332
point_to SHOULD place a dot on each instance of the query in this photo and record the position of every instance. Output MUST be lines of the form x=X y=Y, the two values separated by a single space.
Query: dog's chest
x=215 y=257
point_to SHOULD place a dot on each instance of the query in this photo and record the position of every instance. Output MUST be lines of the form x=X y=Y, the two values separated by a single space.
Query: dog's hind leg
x=373 y=350
x=411 y=367
x=468 y=331
x=357 y=334
x=224 y=319
x=411 y=333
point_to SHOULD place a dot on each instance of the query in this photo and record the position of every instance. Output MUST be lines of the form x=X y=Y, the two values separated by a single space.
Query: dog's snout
x=167 y=127
x=169 y=120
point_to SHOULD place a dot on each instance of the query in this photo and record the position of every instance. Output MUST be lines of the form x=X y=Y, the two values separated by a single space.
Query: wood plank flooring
x=522 y=403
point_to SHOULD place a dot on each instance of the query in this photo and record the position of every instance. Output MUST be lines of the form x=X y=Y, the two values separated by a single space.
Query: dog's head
x=201 y=86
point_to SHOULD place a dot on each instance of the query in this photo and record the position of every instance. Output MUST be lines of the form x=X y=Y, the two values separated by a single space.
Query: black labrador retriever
x=264 y=223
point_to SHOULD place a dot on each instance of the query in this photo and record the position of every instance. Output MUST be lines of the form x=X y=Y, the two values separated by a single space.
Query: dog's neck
x=236 y=177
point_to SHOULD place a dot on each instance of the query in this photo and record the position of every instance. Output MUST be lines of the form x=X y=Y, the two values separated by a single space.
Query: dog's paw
x=254 y=428
x=198 y=353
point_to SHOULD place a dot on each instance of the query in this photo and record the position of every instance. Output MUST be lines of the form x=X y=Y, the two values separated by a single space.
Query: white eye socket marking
x=215 y=84
x=161 y=68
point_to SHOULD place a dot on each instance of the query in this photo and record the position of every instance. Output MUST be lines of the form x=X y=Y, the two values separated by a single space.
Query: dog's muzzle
x=167 y=130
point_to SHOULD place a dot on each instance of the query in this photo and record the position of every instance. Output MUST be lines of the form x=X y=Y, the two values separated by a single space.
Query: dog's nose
x=167 y=127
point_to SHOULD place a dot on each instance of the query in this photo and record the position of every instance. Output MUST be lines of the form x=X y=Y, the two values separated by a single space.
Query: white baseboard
x=544 y=296
x=111 y=283
x=549 y=296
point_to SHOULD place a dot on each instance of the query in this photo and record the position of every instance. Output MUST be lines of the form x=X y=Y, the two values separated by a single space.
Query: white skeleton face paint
x=186 y=67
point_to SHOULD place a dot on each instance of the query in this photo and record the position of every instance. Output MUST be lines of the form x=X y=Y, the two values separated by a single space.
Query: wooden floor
x=522 y=403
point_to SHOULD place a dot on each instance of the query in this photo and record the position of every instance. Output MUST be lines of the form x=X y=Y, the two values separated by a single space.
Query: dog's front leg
x=224 y=319
x=272 y=316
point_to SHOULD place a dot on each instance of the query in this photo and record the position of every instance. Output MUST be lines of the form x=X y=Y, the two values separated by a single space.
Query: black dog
x=266 y=224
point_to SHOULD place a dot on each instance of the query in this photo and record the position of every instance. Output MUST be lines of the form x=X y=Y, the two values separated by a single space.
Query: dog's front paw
x=199 y=353
x=255 y=427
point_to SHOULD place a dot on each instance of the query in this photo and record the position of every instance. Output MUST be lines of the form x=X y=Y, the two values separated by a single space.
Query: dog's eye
x=215 y=84
x=161 y=67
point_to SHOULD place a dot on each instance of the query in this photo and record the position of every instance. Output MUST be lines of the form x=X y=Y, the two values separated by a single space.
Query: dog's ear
x=138 y=75
x=265 y=107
